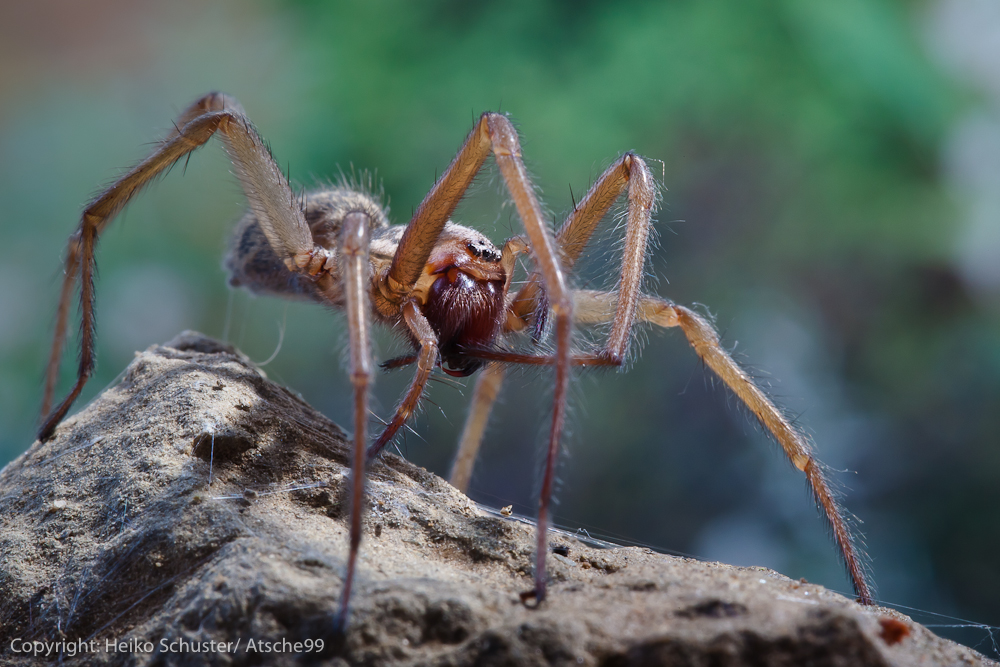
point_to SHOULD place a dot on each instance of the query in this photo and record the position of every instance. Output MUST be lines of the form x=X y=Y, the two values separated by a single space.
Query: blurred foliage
x=799 y=146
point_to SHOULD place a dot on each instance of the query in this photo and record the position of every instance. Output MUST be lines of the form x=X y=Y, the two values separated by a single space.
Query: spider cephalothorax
x=443 y=286
x=464 y=303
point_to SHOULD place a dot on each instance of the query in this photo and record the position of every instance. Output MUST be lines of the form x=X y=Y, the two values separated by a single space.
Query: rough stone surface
x=198 y=501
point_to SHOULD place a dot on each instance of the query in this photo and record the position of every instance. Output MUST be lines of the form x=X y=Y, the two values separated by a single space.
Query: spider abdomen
x=253 y=263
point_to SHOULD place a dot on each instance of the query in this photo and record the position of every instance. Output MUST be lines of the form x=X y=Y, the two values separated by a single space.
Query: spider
x=443 y=286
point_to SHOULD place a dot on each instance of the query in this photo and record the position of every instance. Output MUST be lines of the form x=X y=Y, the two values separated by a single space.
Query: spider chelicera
x=444 y=286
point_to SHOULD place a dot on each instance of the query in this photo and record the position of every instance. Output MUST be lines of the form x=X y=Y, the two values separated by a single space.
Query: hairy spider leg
x=281 y=219
x=623 y=307
x=354 y=268
x=629 y=172
x=483 y=396
x=70 y=272
x=597 y=307
x=493 y=133
x=265 y=186
x=426 y=356
x=594 y=307
x=425 y=359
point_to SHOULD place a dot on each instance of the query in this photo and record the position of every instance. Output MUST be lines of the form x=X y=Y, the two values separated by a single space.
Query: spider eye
x=484 y=250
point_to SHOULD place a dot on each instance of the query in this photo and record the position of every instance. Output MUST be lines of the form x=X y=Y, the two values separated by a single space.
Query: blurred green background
x=832 y=194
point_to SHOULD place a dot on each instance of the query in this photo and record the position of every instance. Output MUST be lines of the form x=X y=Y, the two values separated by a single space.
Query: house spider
x=444 y=286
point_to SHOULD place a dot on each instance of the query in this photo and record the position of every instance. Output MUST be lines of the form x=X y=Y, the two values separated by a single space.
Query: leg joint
x=563 y=306
x=213 y=101
x=612 y=358
x=428 y=356
x=503 y=135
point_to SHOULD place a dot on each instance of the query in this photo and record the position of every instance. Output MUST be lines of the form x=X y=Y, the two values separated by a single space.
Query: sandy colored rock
x=111 y=532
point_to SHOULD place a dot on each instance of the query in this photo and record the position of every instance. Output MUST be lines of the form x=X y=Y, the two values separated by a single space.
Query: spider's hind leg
x=705 y=341
x=595 y=307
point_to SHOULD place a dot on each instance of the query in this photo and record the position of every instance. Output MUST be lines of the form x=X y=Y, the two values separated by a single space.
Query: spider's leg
x=628 y=173
x=493 y=132
x=487 y=386
x=595 y=307
x=354 y=267
x=507 y=150
x=426 y=358
x=705 y=342
x=483 y=396
x=62 y=321
x=266 y=188
x=425 y=226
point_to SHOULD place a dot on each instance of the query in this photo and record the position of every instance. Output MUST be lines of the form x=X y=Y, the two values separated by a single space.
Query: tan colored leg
x=628 y=173
x=485 y=394
x=495 y=133
x=266 y=188
x=426 y=358
x=596 y=307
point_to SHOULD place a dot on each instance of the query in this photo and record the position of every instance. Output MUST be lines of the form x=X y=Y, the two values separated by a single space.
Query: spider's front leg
x=426 y=358
x=493 y=133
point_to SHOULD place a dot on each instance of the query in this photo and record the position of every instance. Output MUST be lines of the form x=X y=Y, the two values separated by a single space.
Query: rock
x=198 y=502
